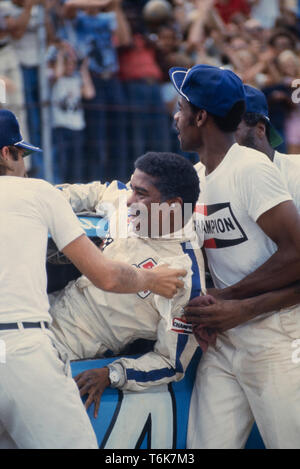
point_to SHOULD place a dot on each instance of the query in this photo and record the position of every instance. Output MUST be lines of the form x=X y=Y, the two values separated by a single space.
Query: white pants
x=250 y=375
x=40 y=405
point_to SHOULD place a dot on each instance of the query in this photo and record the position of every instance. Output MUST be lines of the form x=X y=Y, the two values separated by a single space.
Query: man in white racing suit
x=88 y=322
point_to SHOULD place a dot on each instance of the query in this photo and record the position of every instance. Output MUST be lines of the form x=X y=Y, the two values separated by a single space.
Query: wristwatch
x=114 y=376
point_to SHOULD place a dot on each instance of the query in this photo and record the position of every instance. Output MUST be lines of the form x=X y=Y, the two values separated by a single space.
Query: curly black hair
x=173 y=175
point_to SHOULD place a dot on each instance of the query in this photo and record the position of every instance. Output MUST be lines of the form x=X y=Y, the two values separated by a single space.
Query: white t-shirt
x=244 y=186
x=289 y=166
x=67 y=109
x=29 y=209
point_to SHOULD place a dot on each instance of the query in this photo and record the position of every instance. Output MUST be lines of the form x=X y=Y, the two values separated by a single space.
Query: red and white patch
x=146 y=264
x=181 y=327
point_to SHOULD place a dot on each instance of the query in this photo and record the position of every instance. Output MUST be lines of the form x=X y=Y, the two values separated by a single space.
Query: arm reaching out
x=120 y=277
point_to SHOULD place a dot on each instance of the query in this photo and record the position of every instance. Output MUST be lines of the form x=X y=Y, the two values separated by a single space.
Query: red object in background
x=139 y=62
x=228 y=8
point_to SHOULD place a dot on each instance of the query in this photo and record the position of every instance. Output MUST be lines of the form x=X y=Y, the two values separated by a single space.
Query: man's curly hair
x=173 y=175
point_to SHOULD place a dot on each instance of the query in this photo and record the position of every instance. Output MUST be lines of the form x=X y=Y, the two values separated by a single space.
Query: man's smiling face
x=143 y=195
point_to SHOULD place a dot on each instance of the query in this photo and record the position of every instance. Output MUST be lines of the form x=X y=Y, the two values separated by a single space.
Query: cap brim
x=28 y=147
x=275 y=138
x=177 y=76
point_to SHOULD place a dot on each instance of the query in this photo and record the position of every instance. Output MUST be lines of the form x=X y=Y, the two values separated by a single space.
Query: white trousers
x=40 y=405
x=253 y=373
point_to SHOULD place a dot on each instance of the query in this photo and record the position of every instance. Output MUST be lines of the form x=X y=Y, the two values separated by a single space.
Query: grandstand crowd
x=107 y=65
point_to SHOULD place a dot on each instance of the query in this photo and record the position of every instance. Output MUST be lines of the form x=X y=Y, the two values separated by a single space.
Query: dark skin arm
x=282 y=225
x=273 y=286
x=222 y=315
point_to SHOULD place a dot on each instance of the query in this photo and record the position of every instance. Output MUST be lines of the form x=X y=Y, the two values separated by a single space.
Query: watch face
x=114 y=377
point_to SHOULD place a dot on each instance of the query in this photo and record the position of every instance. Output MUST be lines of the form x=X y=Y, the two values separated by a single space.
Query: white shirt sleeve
x=289 y=166
x=96 y=197
x=59 y=217
x=261 y=187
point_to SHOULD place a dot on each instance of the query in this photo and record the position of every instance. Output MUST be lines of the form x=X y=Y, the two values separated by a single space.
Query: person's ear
x=5 y=153
x=260 y=130
x=201 y=118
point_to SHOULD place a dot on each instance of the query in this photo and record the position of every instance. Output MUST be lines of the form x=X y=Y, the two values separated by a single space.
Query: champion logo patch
x=146 y=264
x=219 y=225
x=181 y=327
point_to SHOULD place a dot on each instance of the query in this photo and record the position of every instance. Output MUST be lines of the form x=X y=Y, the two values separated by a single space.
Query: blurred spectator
x=100 y=30
x=288 y=18
x=26 y=45
x=11 y=27
x=289 y=67
x=70 y=86
x=228 y=9
x=141 y=74
x=278 y=89
x=266 y=12
x=170 y=52
x=131 y=45
x=282 y=40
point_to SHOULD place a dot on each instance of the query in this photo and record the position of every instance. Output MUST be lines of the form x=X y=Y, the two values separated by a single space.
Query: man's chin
x=181 y=142
x=183 y=147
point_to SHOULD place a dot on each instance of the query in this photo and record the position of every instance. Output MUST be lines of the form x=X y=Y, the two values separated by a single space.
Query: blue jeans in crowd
x=68 y=155
x=148 y=123
x=32 y=102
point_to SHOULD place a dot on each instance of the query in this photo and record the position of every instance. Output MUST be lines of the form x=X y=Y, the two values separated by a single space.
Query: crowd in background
x=107 y=71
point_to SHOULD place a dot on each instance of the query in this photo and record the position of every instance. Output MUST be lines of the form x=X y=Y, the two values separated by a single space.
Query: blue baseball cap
x=207 y=87
x=10 y=133
x=256 y=103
